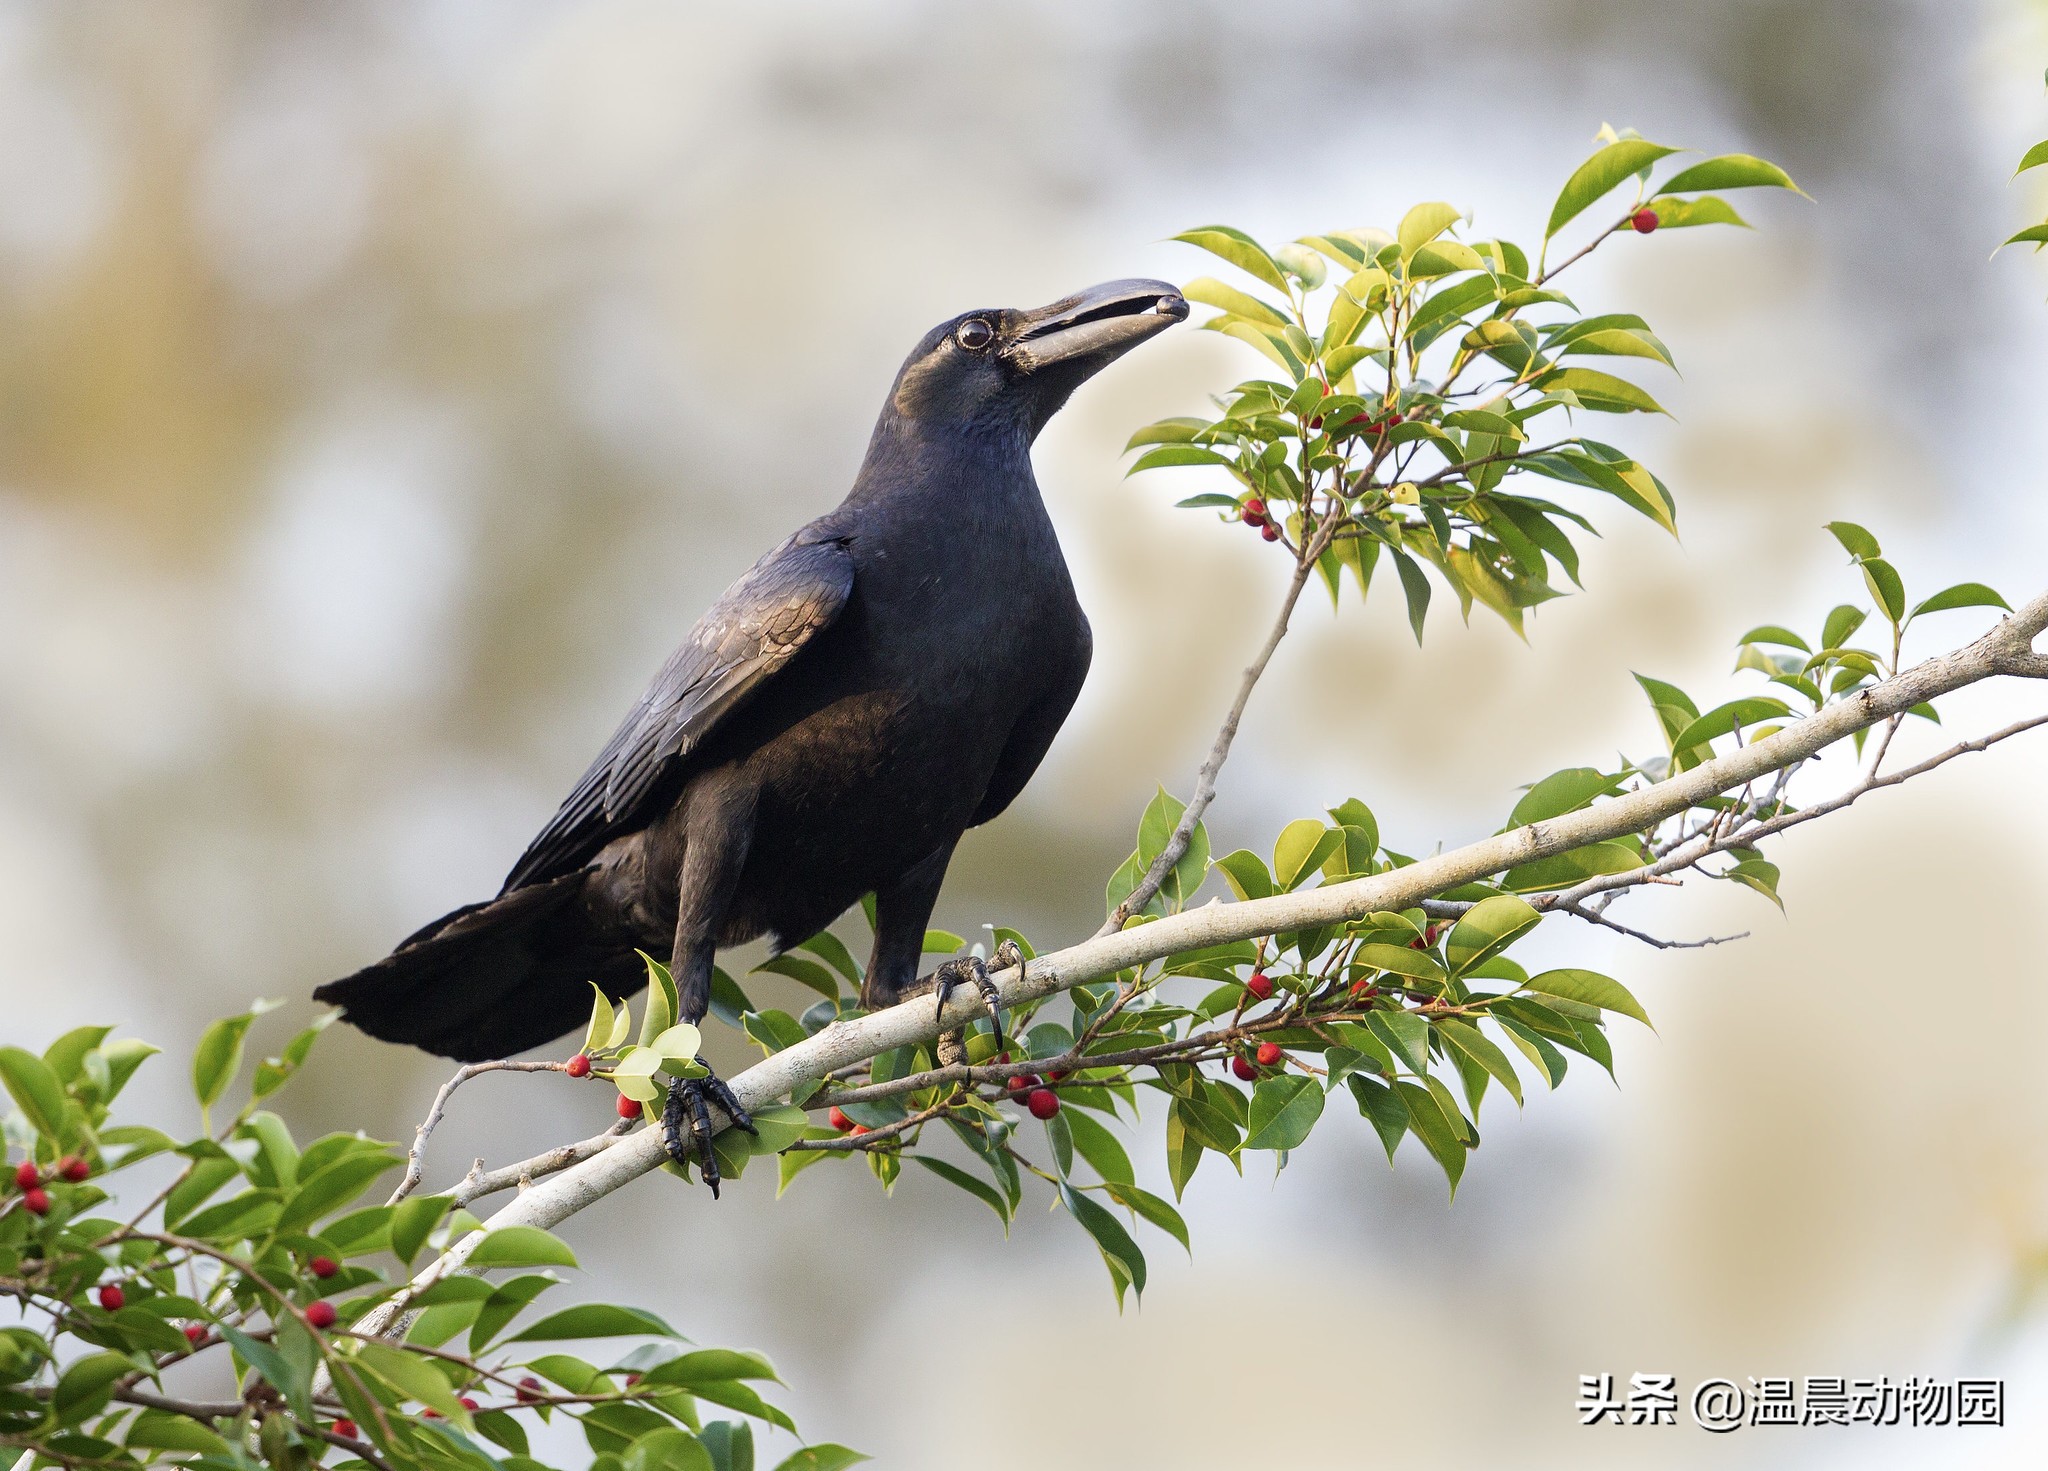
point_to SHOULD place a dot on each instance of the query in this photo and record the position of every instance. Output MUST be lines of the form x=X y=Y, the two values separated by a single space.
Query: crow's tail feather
x=492 y=979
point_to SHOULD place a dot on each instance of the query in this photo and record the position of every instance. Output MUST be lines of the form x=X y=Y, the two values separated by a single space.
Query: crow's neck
x=952 y=468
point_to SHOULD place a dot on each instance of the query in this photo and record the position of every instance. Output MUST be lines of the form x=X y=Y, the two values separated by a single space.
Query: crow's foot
x=688 y=1106
x=972 y=968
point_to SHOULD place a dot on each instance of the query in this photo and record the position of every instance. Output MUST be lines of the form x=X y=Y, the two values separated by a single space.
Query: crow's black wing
x=753 y=630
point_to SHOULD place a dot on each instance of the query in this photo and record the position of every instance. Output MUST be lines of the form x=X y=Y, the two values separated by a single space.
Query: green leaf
x=711 y=1366
x=1770 y=633
x=1103 y=1151
x=1619 y=342
x=506 y=1302
x=1679 y=214
x=413 y=1220
x=1589 y=987
x=330 y=1188
x=87 y=1383
x=1562 y=792
x=1247 y=874
x=1563 y=870
x=1842 y=621
x=1406 y=1033
x=1729 y=171
x=1302 y=847
x=1183 y=1152
x=1599 y=391
x=1210 y=292
x=2034 y=158
x=1283 y=1111
x=1382 y=1108
x=1486 y=929
x=1723 y=720
x=1119 y=1252
x=1150 y=1207
x=521 y=1246
x=661 y=1000
x=821 y=1458
x=1885 y=585
x=598 y=1034
x=1759 y=874
x=219 y=1055
x=412 y=1376
x=1171 y=456
x=667 y=1449
x=590 y=1320
x=35 y=1090
x=1423 y=224
x=1415 y=586
x=1240 y=250
x=960 y=1179
x=1599 y=175
x=1857 y=542
x=2035 y=235
x=1463 y=1037
x=1426 y=1118
x=1962 y=595
x=160 y=1430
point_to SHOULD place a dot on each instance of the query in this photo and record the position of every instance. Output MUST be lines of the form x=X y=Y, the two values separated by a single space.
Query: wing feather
x=757 y=627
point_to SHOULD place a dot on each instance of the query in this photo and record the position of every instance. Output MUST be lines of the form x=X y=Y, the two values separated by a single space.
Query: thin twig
x=416 y=1156
x=480 y=1182
x=1595 y=917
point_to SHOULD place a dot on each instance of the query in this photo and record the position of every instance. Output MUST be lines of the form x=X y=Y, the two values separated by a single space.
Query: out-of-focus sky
x=384 y=388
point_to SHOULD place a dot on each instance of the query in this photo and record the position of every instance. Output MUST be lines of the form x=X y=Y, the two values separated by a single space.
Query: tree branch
x=415 y=1157
x=849 y=1041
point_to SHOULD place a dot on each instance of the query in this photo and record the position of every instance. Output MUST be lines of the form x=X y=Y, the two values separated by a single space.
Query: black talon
x=970 y=967
x=687 y=1102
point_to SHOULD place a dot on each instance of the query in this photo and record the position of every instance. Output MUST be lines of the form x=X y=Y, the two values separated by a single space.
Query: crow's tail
x=493 y=979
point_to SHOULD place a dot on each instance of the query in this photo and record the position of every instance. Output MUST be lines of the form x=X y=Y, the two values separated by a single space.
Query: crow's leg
x=902 y=911
x=718 y=829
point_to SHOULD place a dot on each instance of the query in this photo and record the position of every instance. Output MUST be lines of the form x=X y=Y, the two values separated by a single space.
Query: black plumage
x=887 y=678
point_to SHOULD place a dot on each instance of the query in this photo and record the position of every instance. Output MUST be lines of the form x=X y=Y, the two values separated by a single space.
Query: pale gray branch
x=555 y=1199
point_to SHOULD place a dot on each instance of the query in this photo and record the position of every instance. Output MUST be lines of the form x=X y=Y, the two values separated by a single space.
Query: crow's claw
x=688 y=1105
x=970 y=968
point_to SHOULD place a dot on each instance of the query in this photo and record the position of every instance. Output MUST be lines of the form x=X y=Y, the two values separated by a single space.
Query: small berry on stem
x=346 y=1429
x=1260 y=985
x=1043 y=1103
x=194 y=1332
x=74 y=1169
x=112 y=1297
x=629 y=1108
x=27 y=1176
x=578 y=1066
x=1269 y=1053
x=36 y=1202
x=320 y=1314
x=323 y=1266
x=1242 y=1066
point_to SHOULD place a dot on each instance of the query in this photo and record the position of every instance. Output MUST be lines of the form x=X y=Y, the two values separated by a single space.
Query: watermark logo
x=1722 y=1405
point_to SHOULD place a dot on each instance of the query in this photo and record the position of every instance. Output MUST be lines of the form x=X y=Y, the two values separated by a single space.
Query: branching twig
x=2006 y=649
x=416 y=1156
x=480 y=1182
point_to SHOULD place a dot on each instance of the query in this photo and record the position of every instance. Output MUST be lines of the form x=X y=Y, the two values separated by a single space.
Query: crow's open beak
x=1099 y=324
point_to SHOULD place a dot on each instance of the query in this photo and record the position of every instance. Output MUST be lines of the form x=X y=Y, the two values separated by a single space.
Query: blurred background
x=384 y=388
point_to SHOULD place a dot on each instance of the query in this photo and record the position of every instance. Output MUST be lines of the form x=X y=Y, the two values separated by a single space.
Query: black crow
x=887 y=678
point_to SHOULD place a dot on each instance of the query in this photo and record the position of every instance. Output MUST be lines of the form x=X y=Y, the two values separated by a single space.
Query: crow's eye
x=975 y=334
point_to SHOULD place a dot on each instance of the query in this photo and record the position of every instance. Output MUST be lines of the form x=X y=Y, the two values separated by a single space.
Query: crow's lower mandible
x=887 y=678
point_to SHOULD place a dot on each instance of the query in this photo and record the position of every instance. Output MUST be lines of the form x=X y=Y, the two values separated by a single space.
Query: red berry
x=27 y=1176
x=1057 y=1075
x=1260 y=985
x=1269 y=1053
x=1643 y=221
x=1043 y=1103
x=838 y=1119
x=629 y=1108
x=857 y=1130
x=193 y=1333
x=346 y=1429
x=530 y=1390
x=1363 y=990
x=430 y=1414
x=465 y=1401
x=112 y=1297
x=320 y=1314
x=37 y=1202
x=1256 y=506
x=632 y=1379
x=1022 y=1083
x=323 y=1266
x=1242 y=1066
x=1005 y=1057
x=74 y=1169
x=1254 y=519
x=577 y=1066
x=1269 y=533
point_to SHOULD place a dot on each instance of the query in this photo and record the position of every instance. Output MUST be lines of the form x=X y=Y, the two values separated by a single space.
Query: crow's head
x=1005 y=368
